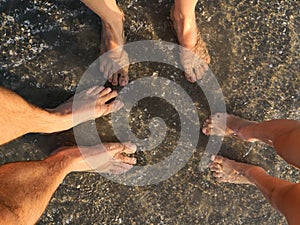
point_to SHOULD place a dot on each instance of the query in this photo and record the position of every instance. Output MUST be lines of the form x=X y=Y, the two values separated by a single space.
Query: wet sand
x=46 y=47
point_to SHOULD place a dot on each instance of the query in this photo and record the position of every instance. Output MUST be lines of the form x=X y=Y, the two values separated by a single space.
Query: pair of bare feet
x=106 y=158
x=188 y=36
x=226 y=170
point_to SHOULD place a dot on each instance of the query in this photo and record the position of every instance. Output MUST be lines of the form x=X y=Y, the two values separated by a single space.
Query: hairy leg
x=282 y=134
x=26 y=187
x=112 y=38
x=18 y=117
x=283 y=195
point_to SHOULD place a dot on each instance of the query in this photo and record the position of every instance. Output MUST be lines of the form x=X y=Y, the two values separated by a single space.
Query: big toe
x=200 y=70
x=114 y=80
x=217 y=159
x=123 y=80
x=206 y=129
x=121 y=168
x=190 y=75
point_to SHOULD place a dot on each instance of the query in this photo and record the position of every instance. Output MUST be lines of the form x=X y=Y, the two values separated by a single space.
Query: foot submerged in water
x=230 y=171
x=213 y=125
x=112 y=40
x=192 y=44
x=108 y=158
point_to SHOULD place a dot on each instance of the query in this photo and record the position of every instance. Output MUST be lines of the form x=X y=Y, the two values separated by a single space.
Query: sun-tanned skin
x=16 y=112
x=284 y=136
x=112 y=38
x=26 y=187
x=184 y=22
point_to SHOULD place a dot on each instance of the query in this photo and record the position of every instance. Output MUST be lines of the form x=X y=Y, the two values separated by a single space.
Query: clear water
x=47 y=45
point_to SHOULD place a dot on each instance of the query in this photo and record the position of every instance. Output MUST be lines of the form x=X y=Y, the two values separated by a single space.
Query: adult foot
x=234 y=124
x=107 y=158
x=85 y=105
x=226 y=170
x=114 y=64
x=189 y=37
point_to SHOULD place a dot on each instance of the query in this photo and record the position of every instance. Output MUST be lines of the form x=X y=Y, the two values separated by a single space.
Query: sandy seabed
x=47 y=45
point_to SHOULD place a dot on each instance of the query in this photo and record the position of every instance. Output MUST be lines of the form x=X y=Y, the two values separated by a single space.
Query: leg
x=112 y=37
x=184 y=13
x=283 y=195
x=184 y=21
x=18 y=117
x=283 y=135
x=26 y=187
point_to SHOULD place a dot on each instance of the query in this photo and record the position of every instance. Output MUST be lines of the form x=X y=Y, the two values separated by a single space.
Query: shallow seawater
x=47 y=45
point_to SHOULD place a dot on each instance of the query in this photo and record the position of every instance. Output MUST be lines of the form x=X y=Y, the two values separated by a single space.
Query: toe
x=206 y=130
x=91 y=90
x=217 y=175
x=130 y=148
x=97 y=90
x=190 y=78
x=115 y=79
x=199 y=72
x=126 y=147
x=120 y=168
x=115 y=106
x=219 y=159
x=104 y=92
x=125 y=159
x=221 y=179
x=108 y=96
x=215 y=167
x=189 y=74
x=123 y=80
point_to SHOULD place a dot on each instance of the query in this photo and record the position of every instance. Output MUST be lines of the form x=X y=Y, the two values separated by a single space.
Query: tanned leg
x=26 y=187
x=18 y=117
x=283 y=195
x=283 y=135
x=112 y=38
x=184 y=21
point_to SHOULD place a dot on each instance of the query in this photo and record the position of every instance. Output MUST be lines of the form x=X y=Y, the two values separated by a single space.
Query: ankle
x=55 y=121
x=114 y=20
x=61 y=161
x=246 y=132
x=183 y=17
x=253 y=171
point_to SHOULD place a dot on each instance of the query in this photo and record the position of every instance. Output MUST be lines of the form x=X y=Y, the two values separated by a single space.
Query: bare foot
x=226 y=170
x=189 y=37
x=112 y=40
x=86 y=105
x=233 y=125
x=107 y=158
